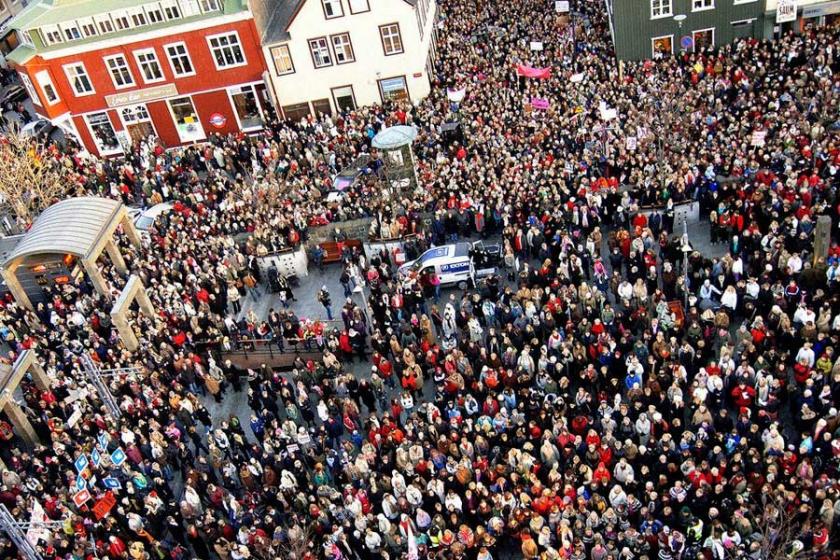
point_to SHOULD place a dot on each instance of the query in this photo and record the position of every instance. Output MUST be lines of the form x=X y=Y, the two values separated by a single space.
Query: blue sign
x=95 y=457
x=80 y=482
x=112 y=483
x=118 y=457
x=103 y=440
x=687 y=42
x=81 y=462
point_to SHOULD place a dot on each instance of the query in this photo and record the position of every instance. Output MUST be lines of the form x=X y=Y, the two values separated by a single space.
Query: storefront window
x=393 y=89
x=103 y=133
x=247 y=108
x=186 y=119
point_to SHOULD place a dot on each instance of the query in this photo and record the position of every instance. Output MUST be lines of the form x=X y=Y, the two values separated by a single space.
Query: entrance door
x=296 y=111
x=137 y=123
x=247 y=107
x=186 y=119
x=344 y=98
x=322 y=106
x=703 y=39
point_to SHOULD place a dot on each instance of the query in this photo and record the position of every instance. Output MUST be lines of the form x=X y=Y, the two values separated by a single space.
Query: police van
x=458 y=263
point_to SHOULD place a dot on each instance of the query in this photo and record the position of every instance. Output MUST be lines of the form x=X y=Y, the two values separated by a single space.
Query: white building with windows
x=325 y=56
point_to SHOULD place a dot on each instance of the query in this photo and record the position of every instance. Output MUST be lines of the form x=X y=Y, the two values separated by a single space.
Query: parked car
x=12 y=95
x=40 y=129
x=144 y=221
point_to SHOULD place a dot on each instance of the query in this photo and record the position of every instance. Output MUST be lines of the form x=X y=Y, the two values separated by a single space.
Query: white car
x=145 y=219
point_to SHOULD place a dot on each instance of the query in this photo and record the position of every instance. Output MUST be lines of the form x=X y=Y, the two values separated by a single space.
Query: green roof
x=51 y=12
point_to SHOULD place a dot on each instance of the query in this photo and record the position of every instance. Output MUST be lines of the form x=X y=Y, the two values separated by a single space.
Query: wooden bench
x=332 y=253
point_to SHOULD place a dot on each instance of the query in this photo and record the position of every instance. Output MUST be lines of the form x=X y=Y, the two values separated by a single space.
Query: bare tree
x=778 y=526
x=300 y=541
x=31 y=177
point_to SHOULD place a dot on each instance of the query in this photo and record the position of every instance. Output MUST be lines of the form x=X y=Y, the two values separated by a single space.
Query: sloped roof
x=276 y=26
x=72 y=226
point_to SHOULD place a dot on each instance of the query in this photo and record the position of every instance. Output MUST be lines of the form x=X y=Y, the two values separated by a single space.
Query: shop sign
x=786 y=11
x=218 y=120
x=141 y=95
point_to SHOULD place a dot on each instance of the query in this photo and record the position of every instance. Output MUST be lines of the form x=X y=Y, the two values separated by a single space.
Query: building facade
x=643 y=29
x=329 y=55
x=112 y=72
x=807 y=12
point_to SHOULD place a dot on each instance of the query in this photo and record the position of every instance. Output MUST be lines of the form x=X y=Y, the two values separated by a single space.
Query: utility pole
x=97 y=377
x=15 y=530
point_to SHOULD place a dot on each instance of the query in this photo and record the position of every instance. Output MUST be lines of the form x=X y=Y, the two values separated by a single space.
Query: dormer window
x=332 y=8
x=71 y=31
x=51 y=34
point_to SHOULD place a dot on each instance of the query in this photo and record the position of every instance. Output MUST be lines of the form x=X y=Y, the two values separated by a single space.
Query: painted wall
x=634 y=28
x=308 y=83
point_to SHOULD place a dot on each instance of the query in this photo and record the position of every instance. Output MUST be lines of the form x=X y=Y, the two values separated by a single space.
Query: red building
x=112 y=72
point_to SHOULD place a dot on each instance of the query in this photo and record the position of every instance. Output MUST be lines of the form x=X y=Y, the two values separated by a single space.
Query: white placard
x=536 y=45
x=561 y=6
x=630 y=143
x=786 y=11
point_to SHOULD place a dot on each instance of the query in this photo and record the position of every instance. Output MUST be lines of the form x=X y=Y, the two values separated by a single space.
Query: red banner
x=528 y=72
x=104 y=505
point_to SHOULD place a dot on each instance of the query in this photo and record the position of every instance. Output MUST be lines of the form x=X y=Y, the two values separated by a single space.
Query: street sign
x=686 y=42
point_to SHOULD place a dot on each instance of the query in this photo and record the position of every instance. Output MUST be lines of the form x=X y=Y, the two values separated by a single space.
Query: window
x=138 y=17
x=189 y=8
x=662 y=46
x=186 y=120
x=320 y=50
x=121 y=20
x=149 y=66
x=344 y=98
x=103 y=133
x=703 y=39
x=282 y=60
x=391 y=39
x=51 y=34
x=154 y=13
x=227 y=52
x=44 y=80
x=88 y=27
x=71 y=31
x=179 y=59
x=393 y=89
x=209 y=5
x=332 y=8
x=30 y=89
x=660 y=9
x=247 y=108
x=171 y=9
x=343 y=48
x=78 y=78
x=359 y=6
x=104 y=23
x=120 y=72
x=700 y=5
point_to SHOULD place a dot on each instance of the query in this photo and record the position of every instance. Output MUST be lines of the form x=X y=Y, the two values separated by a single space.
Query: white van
x=458 y=263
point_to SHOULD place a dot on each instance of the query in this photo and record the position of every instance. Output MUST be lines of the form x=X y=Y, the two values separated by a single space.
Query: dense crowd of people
x=604 y=395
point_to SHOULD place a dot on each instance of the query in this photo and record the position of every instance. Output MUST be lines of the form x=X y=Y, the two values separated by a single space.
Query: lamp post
x=686 y=249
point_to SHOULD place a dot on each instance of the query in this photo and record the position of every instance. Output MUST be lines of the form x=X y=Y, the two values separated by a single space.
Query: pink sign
x=528 y=72
x=539 y=103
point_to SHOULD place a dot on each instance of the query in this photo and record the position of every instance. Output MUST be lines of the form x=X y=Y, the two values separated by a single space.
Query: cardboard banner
x=529 y=72
x=536 y=45
x=540 y=103
x=104 y=505
x=456 y=95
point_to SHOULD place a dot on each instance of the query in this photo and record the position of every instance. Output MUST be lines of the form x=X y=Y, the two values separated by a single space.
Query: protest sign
x=118 y=457
x=81 y=462
x=104 y=505
x=80 y=498
x=536 y=45
x=540 y=103
x=561 y=6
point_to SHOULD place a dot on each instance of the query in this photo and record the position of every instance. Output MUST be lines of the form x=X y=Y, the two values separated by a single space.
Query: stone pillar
x=96 y=277
x=822 y=238
x=15 y=287
x=29 y=361
x=131 y=232
x=129 y=339
x=144 y=302
x=21 y=423
x=116 y=257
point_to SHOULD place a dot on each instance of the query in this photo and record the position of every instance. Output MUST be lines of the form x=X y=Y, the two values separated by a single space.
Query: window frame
x=154 y=9
x=350 y=7
x=662 y=15
x=238 y=44
x=88 y=21
x=694 y=41
x=118 y=149
x=335 y=99
x=312 y=53
x=46 y=30
x=145 y=52
x=67 y=26
x=107 y=59
x=705 y=8
x=274 y=59
x=209 y=9
x=349 y=44
x=382 y=91
x=101 y=19
x=70 y=79
x=186 y=53
x=43 y=83
x=654 y=39
x=29 y=86
x=137 y=16
x=399 y=34
x=171 y=5
x=332 y=2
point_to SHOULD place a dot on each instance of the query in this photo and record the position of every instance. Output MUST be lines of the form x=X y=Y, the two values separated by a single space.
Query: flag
x=529 y=72
x=456 y=95
x=413 y=552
